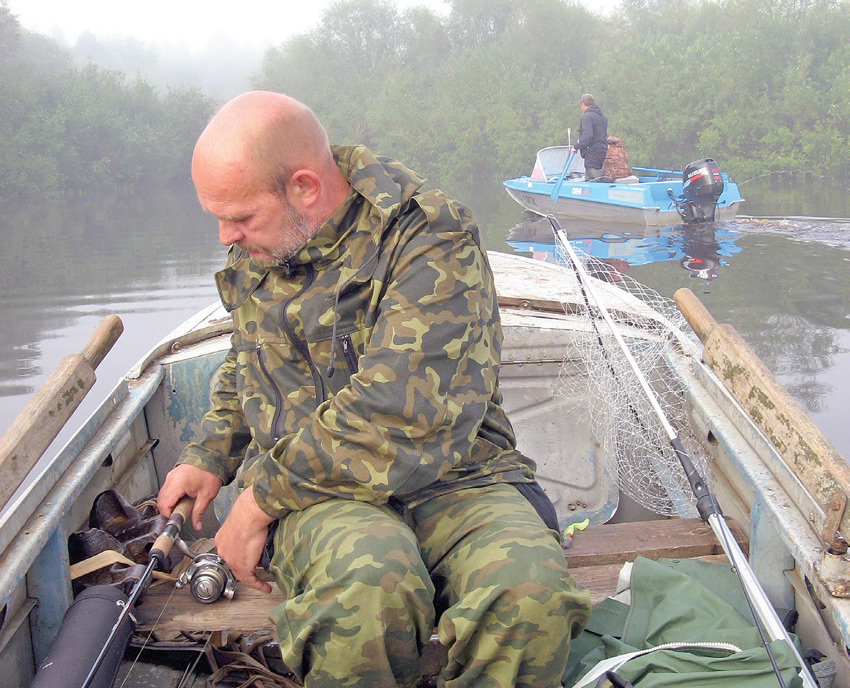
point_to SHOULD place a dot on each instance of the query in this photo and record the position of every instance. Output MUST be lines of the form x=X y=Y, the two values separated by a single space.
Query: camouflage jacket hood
x=385 y=188
x=365 y=366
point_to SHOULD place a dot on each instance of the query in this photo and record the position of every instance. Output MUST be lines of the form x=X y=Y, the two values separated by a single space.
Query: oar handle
x=102 y=339
x=41 y=420
x=695 y=313
x=163 y=544
x=805 y=450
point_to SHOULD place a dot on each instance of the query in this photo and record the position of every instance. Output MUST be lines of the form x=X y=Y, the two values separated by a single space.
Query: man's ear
x=305 y=187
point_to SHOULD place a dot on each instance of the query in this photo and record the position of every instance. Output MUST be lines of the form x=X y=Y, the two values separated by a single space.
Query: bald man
x=357 y=416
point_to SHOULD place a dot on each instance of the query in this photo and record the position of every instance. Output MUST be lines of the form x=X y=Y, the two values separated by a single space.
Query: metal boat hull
x=133 y=439
x=643 y=203
x=644 y=199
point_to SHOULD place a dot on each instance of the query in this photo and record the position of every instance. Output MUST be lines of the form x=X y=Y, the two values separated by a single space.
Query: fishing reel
x=208 y=578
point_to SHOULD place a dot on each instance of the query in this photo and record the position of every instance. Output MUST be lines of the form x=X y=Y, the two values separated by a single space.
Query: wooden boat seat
x=595 y=559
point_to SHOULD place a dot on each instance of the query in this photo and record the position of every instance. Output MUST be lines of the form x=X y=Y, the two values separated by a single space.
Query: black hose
x=82 y=634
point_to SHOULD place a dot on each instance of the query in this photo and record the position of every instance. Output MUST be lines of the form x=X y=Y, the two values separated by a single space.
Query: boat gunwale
x=767 y=475
x=28 y=499
x=206 y=324
x=639 y=216
x=78 y=467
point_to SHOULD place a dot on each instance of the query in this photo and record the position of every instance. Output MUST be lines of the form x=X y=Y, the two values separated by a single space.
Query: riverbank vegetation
x=69 y=131
x=760 y=85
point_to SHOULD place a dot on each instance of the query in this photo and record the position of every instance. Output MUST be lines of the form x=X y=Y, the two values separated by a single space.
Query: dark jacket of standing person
x=592 y=137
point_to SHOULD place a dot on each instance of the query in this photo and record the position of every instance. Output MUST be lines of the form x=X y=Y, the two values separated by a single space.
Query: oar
x=707 y=507
x=31 y=433
x=561 y=178
x=157 y=556
x=803 y=447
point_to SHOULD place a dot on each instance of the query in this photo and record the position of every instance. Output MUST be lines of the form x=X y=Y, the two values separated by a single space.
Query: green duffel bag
x=685 y=623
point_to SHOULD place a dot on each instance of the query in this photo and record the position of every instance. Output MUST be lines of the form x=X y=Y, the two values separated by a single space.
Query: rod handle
x=163 y=544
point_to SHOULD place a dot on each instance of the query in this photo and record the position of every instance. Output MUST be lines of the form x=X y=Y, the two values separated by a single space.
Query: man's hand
x=188 y=481
x=241 y=539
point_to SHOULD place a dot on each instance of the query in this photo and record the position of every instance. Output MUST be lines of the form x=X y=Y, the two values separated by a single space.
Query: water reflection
x=67 y=266
x=785 y=286
x=789 y=300
x=699 y=249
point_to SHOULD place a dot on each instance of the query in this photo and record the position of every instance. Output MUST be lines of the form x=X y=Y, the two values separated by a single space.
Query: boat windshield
x=550 y=163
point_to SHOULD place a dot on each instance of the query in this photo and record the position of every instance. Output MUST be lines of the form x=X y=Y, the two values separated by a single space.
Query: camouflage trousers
x=364 y=588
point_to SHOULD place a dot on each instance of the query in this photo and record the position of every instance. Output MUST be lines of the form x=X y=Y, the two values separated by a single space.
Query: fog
x=214 y=45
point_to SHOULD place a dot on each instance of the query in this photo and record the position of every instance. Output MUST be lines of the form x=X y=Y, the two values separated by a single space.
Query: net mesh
x=623 y=421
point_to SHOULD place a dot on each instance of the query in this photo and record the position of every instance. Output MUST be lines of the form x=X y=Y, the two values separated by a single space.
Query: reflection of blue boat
x=700 y=249
x=654 y=197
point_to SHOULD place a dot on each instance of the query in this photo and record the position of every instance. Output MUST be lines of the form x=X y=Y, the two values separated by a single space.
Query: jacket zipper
x=278 y=397
x=300 y=345
x=347 y=347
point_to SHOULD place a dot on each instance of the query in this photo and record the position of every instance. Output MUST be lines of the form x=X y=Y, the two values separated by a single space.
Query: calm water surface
x=784 y=284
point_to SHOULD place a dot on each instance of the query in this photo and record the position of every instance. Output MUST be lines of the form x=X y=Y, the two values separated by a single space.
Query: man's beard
x=292 y=236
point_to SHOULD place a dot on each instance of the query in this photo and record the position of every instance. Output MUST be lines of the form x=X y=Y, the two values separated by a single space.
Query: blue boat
x=649 y=197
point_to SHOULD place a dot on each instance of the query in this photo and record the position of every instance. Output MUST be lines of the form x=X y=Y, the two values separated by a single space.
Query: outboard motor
x=702 y=185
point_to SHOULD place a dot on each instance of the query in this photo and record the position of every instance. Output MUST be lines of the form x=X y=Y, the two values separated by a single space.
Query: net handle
x=762 y=609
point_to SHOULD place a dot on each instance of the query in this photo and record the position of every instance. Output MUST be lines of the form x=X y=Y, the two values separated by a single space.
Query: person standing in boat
x=592 y=138
x=357 y=416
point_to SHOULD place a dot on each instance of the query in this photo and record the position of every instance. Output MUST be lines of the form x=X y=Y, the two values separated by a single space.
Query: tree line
x=469 y=95
x=68 y=131
x=760 y=85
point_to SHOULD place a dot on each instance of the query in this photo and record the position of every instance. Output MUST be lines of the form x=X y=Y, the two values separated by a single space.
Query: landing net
x=622 y=419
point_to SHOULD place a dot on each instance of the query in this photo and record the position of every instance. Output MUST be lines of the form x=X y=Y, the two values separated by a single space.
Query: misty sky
x=192 y=23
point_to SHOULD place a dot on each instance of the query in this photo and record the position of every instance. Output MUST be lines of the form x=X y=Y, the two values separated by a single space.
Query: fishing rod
x=764 y=615
x=156 y=560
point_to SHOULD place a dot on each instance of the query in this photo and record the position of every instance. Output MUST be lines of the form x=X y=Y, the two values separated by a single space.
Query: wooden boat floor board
x=595 y=559
x=617 y=543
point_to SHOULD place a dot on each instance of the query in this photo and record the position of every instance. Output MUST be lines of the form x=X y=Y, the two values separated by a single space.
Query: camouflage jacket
x=366 y=366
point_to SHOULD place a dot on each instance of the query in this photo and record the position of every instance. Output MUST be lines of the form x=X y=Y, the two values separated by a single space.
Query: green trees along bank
x=760 y=85
x=469 y=94
x=67 y=131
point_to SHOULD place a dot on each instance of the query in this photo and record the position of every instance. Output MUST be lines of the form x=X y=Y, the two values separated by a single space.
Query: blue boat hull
x=646 y=201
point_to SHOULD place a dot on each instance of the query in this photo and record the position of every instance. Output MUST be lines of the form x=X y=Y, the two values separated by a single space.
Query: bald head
x=263 y=142
x=262 y=135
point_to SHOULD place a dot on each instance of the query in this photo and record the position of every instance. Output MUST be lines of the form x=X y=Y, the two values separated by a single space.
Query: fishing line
x=149 y=635
x=190 y=670
x=707 y=507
